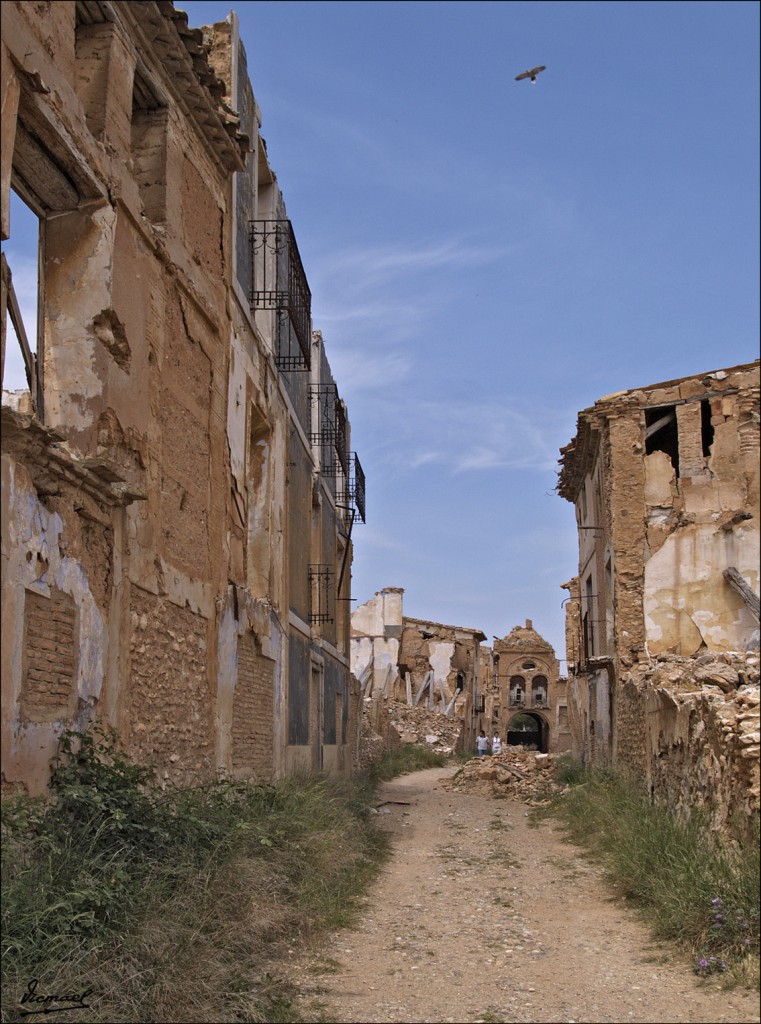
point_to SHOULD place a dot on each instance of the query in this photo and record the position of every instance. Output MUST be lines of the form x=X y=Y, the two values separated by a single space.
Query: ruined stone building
x=178 y=484
x=662 y=619
x=529 y=704
x=515 y=687
x=421 y=663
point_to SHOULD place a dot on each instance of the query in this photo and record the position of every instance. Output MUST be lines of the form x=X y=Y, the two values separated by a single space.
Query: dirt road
x=481 y=917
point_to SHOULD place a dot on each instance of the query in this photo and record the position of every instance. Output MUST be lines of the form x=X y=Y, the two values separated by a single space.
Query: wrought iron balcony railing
x=278 y=282
x=321 y=595
x=355 y=490
x=331 y=430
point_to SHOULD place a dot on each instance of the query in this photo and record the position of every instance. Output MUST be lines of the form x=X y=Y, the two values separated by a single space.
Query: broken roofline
x=477 y=633
x=677 y=380
x=576 y=456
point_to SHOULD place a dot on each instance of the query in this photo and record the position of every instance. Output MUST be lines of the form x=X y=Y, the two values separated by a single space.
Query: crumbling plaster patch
x=239 y=371
x=686 y=599
x=33 y=560
x=374 y=616
x=440 y=654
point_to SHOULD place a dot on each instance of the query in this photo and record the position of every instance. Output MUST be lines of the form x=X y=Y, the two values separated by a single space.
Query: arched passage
x=528 y=729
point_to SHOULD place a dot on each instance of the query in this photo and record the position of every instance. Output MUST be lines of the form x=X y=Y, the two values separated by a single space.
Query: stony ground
x=481 y=917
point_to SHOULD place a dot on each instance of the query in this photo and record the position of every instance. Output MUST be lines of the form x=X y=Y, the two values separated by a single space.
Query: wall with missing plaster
x=416 y=662
x=665 y=482
x=149 y=475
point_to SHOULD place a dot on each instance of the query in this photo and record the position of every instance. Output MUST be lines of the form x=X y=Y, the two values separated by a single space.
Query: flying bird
x=531 y=74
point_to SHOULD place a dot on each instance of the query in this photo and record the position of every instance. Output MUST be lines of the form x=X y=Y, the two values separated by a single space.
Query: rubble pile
x=516 y=773
x=425 y=727
x=728 y=671
x=703 y=731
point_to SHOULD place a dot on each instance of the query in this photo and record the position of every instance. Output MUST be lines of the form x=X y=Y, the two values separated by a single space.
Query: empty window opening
x=706 y=427
x=588 y=621
x=21 y=261
x=661 y=434
x=517 y=690
x=539 y=690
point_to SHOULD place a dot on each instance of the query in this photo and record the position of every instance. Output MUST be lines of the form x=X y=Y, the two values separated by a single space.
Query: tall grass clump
x=409 y=757
x=696 y=888
x=174 y=904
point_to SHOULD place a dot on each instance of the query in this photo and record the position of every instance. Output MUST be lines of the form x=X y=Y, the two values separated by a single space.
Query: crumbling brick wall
x=253 y=711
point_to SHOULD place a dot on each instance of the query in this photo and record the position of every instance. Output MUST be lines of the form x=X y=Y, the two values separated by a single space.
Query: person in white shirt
x=482 y=744
x=496 y=743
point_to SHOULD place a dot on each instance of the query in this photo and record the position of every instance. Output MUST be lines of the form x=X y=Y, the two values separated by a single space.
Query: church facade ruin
x=530 y=706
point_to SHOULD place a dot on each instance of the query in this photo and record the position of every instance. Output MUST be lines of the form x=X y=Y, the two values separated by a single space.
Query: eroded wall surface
x=665 y=481
x=169 y=500
x=699 y=748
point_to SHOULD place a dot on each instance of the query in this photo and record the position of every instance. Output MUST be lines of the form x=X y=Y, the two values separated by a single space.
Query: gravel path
x=481 y=917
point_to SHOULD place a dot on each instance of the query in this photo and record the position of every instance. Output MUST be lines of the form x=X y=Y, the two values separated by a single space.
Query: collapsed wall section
x=699 y=748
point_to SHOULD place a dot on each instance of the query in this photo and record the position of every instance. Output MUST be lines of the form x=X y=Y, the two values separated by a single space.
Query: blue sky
x=487 y=257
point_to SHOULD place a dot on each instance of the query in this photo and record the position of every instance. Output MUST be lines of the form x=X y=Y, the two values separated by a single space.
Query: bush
x=161 y=899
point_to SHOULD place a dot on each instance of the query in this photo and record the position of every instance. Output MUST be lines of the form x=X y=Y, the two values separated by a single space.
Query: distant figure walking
x=496 y=743
x=482 y=744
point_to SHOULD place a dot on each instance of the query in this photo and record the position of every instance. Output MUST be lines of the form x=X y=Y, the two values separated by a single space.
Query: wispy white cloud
x=473 y=436
x=380 y=541
x=359 y=371
x=374 y=264
x=374 y=303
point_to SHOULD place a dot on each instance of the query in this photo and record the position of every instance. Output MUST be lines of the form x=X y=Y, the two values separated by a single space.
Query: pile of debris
x=424 y=727
x=727 y=671
x=702 y=737
x=516 y=773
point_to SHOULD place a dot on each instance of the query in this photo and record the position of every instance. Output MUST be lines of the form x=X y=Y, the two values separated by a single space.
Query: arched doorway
x=527 y=729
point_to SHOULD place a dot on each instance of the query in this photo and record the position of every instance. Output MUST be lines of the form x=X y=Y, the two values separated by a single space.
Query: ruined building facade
x=516 y=687
x=662 y=619
x=178 y=487
x=529 y=694
x=420 y=663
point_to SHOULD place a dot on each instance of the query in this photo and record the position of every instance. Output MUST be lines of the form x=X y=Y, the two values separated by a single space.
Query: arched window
x=517 y=690
x=539 y=690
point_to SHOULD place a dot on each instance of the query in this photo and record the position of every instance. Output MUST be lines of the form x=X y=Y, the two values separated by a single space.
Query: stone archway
x=528 y=728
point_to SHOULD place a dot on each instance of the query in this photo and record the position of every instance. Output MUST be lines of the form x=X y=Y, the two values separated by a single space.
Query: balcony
x=321 y=597
x=355 y=490
x=331 y=430
x=278 y=282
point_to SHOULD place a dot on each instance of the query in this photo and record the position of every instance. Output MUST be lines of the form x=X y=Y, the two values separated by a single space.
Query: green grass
x=695 y=889
x=407 y=758
x=176 y=904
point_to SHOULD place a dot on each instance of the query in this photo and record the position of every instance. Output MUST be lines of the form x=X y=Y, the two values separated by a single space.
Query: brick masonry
x=253 y=711
x=48 y=689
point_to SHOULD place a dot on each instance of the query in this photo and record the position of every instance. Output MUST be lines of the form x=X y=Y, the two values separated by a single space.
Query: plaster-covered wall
x=35 y=562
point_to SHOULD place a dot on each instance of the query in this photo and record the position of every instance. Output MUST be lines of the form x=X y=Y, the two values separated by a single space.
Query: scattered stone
x=516 y=773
